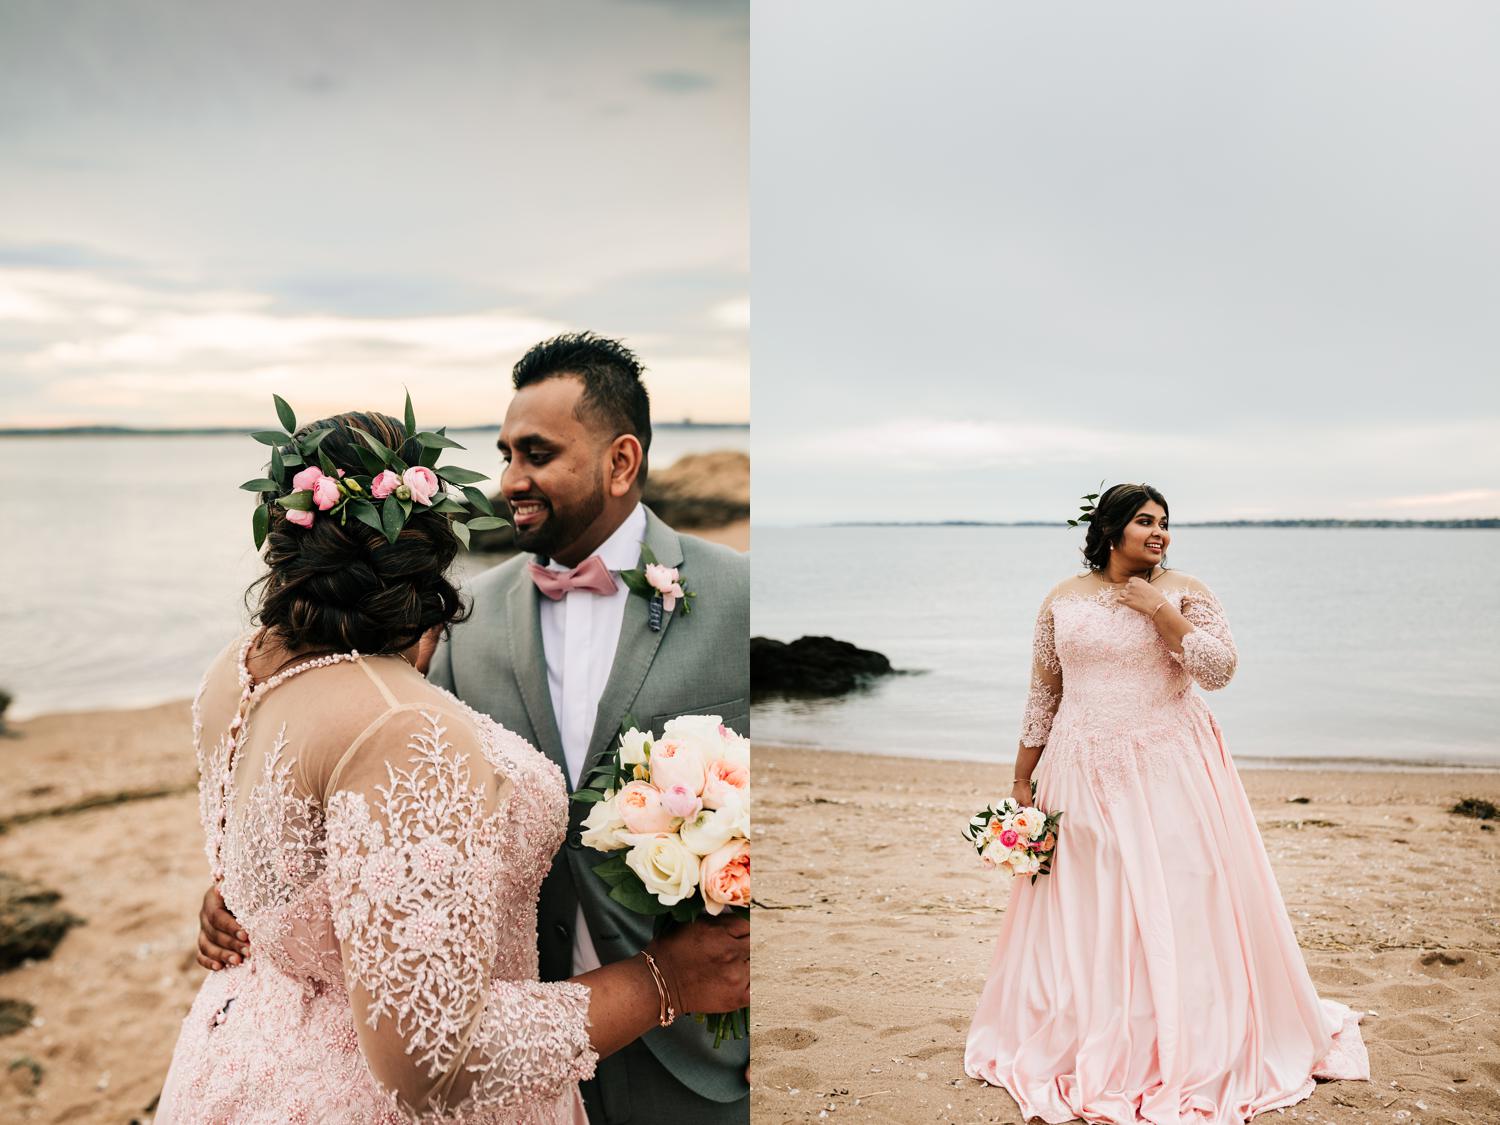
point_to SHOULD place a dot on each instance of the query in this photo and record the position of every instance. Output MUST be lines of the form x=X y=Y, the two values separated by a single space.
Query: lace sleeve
x=1046 y=682
x=414 y=818
x=1208 y=652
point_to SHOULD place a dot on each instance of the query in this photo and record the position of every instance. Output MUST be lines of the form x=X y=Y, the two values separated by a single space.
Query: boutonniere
x=661 y=585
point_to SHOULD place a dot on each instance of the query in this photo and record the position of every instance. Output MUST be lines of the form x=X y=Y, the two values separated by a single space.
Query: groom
x=560 y=651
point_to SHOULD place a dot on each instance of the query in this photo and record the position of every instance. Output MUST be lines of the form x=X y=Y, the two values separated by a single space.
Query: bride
x=383 y=844
x=1153 y=976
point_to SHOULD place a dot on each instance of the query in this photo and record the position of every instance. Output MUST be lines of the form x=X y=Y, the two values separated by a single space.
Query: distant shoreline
x=1487 y=524
x=214 y=431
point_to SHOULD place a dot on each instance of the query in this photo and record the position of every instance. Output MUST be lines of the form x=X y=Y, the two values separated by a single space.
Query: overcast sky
x=202 y=202
x=1245 y=252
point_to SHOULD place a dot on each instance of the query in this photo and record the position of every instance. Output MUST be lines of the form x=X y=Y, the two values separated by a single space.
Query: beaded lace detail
x=1109 y=697
x=389 y=887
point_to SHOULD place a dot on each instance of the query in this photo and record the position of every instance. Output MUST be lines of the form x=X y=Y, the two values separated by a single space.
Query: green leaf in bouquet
x=462 y=532
x=686 y=910
x=614 y=870
x=278 y=466
x=455 y=475
x=633 y=896
x=261 y=523
x=587 y=796
x=284 y=412
x=411 y=417
x=479 y=499
x=300 y=501
x=309 y=444
x=437 y=441
x=272 y=438
x=260 y=484
x=487 y=523
x=326 y=463
x=288 y=459
x=370 y=460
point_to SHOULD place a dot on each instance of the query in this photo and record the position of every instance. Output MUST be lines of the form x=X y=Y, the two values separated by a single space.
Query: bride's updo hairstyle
x=339 y=587
x=1115 y=509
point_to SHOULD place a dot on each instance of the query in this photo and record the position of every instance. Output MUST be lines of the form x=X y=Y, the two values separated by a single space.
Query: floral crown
x=1086 y=509
x=384 y=498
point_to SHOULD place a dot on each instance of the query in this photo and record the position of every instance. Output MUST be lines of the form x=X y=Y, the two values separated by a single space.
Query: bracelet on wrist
x=1160 y=606
x=666 y=1013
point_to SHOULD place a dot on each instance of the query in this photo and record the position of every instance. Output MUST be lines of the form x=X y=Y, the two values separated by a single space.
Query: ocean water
x=125 y=559
x=1370 y=646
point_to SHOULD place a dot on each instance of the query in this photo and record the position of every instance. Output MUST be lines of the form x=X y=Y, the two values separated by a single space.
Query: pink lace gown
x=383 y=845
x=1153 y=976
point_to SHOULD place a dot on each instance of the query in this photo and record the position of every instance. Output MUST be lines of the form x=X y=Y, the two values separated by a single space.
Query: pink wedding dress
x=1153 y=976
x=383 y=845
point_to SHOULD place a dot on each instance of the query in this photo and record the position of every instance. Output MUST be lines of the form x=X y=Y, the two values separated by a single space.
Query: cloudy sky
x=1249 y=253
x=204 y=202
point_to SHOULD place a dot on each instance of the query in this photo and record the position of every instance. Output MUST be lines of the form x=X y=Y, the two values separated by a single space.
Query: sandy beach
x=102 y=807
x=875 y=924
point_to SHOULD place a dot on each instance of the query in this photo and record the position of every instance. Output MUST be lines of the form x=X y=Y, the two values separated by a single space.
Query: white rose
x=995 y=851
x=603 y=825
x=669 y=870
x=633 y=747
x=693 y=728
x=711 y=829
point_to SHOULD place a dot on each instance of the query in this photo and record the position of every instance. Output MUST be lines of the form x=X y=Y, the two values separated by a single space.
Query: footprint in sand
x=1455 y=963
x=787 y=1038
x=1406 y=997
x=936 y=1049
x=821 y=1013
x=792 y=1077
x=1342 y=976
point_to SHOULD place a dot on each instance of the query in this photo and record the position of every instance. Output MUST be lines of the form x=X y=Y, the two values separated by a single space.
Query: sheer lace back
x=384 y=844
x=1106 y=689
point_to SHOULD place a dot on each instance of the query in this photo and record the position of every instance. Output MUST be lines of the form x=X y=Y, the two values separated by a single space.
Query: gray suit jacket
x=698 y=664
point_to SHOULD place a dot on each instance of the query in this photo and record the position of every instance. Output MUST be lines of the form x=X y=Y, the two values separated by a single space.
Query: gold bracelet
x=1027 y=780
x=667 y=1013
x=1161 y=606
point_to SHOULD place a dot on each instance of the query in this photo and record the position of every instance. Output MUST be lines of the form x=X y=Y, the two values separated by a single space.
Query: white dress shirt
x=580 y=632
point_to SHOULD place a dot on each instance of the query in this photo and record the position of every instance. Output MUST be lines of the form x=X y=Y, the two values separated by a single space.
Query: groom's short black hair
x=613 y=394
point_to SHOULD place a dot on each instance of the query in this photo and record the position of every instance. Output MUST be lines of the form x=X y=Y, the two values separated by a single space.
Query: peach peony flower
x=423 y=483
x=1049 y=843
x=639 y=805
x=677 y=763
x=725 y=877
x=383 y=485
x=724 y=781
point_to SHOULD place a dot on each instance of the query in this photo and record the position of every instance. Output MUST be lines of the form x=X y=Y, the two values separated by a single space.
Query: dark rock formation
x=812 y=666
x=31 y=924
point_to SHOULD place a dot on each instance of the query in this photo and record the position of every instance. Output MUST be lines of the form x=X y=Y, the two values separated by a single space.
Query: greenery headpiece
x=1086 y=509
x=306 y=483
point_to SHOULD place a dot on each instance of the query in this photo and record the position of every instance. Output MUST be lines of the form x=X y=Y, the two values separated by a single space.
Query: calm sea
x=126 y=558
x=1355 y=644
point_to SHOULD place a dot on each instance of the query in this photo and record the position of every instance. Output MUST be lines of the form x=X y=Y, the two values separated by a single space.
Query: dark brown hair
x=1116 y=508
x=342 y=587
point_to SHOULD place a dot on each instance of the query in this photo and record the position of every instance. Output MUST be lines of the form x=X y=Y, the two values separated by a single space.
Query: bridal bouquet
x=1016 y=838
x=677 y=810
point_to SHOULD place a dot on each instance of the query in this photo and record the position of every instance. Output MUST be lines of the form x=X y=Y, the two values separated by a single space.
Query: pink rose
x=664 y=580
x=725 y=877
x=681 y=801
x=325 y=493
x=301 y=519
x=1009 y=837
x=724 y=782
x=639 y=805
x=423 y=483
x=383 y=485
x=305 y=480
x=677 y=763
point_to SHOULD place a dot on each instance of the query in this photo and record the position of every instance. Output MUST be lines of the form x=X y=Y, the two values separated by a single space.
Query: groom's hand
x=220 y=940
x=708 y=963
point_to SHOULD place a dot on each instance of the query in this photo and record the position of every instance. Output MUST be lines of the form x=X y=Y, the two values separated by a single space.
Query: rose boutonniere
x=661 y=585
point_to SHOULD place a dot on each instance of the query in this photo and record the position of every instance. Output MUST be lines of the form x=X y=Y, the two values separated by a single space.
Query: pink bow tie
x=592 y=575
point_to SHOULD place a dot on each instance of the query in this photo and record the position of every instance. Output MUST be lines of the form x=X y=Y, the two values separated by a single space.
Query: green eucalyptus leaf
x=391 y=519
x=429 y=456
x=378 y=447
x=450 y=506
x=260 y=523
x=301 y=501
x=487 y=523
x=454 y=475
x=329 y=468
x=479 y=499
x=284 y=412
x=369 y=460
x=272 y=438
x=648 y=557
x=636 y=580
x=411 y=417
x=310 y=443
x=260 y=484
x=587 y=796
x=405 y=509
x=461 y=532
x=637 y=899
x=367 y=514
x=293 y=458
x=278 y=466
x=438 y=441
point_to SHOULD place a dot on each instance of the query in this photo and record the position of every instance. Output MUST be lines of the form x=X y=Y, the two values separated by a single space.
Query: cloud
x=944 y=444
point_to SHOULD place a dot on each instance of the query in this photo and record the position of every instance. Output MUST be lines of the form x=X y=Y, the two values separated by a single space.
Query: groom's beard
x=559 y=528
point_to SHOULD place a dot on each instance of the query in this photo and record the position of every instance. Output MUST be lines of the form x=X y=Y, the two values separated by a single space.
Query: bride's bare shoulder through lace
x=422 y=834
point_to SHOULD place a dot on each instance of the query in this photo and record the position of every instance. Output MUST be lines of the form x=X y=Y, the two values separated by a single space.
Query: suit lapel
x=528 y=662
x=637 y=647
